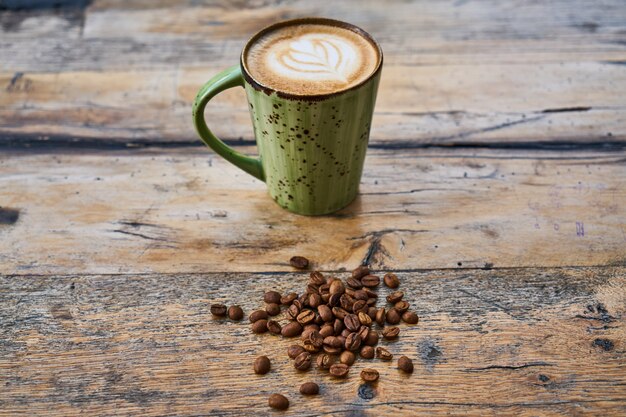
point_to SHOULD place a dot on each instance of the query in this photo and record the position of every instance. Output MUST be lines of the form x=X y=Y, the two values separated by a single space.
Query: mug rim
x=310 y=20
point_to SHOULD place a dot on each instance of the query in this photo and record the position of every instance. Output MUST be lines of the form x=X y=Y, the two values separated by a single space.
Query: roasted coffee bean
x=292 y=312
x=353 y=283
x=391 y=332
x=339 y=312
x=391 y=280
x=371 y=302
x=327 y=330
x=315 y=300
x=309 y=388
x=307 y=330
x=310 y=347
x=258 y=315
x=364 y=319
x=291 y=329
x=333 y=341
x=370 y=293
x=324 y=360
x=274 y=327
x=381 y=315
x=235 y=313
x=318 y=320
x=405 y=364
x=317 y=278
x=218 y=310
x=369 y=375
x=337 y=287
x=311 y=289
x=331 y=350
x=339 y=370
x=352 y=323
x=288 y=299
x=278 y=402
x=325 y=289
x=345 y=332
x=299 y=262
x=371 y=311
x=342 y=339
x=272 y=309
x=353 y=342
x=370 y=281
x=359 y=306
x=401 y=306
x=372 y=338
x=262 y=365
x=325 y=312
x=347 y=357
x=410 y=317
x=346 y=302
x=363 y=332
x=360 y=272
x=259 y=326
x=298 y=303
x=272 y=297
x=367 y=352
x=383 y=354
x=393 y=317
x=395 y=296
x=350 y=292
x=294 y=350
x=305 y=317
x=338 y=326
x=360 y=295
x=302 y=361
x=316 y=339
x=334 y=300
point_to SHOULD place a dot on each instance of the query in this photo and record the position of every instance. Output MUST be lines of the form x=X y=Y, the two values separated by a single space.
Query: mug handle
x=226 y=79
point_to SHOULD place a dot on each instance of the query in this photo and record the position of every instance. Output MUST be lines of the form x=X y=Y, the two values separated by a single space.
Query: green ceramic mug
x=312 y=134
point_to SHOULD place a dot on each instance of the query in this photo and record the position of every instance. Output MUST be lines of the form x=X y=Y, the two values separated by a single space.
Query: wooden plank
x=187 y=210
x=428 y=105
x=521 y=341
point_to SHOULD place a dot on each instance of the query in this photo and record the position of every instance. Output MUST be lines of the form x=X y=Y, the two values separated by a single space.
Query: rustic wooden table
x=495 y=186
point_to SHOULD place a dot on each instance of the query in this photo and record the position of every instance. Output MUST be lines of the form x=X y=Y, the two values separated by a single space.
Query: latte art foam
x=311 y=59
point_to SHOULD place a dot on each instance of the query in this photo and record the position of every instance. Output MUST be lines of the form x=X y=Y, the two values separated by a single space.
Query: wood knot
x=605 y=344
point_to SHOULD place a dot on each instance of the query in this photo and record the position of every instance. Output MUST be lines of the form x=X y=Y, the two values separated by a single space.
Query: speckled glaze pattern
x=312 y=151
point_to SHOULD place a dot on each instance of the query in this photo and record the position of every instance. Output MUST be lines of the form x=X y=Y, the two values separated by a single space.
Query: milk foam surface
x=311 y=59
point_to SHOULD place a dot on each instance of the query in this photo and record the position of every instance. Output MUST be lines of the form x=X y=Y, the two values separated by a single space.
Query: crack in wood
x=510 y=367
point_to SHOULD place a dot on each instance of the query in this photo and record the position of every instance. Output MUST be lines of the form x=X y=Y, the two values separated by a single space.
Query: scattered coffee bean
x=258 y=315
x=354 y=283
x=317 y=278
x=371 y=311
x=395 y=296
x=325 y=312
x=315 y=300
x=306 y=317
x=360 y=272
x=367 y=352
x=272 y=309
x=405 y=364
x=383 y=354
x=299 y=262
x=391 y=332
x=272 y=297
x=364 y=332
x=339 y=312
x=324 y=361
x=410 y=317
x=339 y=370
x=401 y=306
x=294 y=350
x=365 y=319
x=274 y=327
x=262 y=365
x=347 y=357
x=361 y=295
x=370 y=281
x=369 y=375
x=309 y=388
x=353 y=342
x=292 y=329
x=393 y=317
x=327 y=330
x=218 y=310
x=259 y=326
x=391 y=280
x=288 y=299
x=235 y=313
x=352 y=323
x=293 y=311
x=381 y=315
x=333 y=341
x=372 y=338
x=337 y=287
x=302 y=361
x=278 y=402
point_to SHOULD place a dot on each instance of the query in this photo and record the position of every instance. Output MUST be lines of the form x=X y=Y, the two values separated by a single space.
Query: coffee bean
x=334 y=300
x=410 y=317
x=314 y=342
x=367 y=352
x=259 y=326
x=346 y=302
x=262 y=365
x=381 y=316
x=339 y=312
x=359 y=306
x=372 y=338
x=338 y=326
x=327 y=330
x=365 y=319
x=369 y=375
x=311 y=289
x=393 y=317
x=272 y=297
x=352 y=323
x=364 y=333
x=370 y=281
x=370 y=293
x=235 y=313
x=302 y=361
x=308 y=329
x=390 y=333
x=333 y=341
x=371 y=302
x=299 y=262
x=353 y=342
x=292 y=312
x=309 y=388
x=347 y=357
x=315 y=300
x=353 y=283
x=395 y=296
x=325 y=312
x=305 y=317
x=391 y=280
x=258 y=315
x=339 y=370
x=294 y=350
x=331 y=350
x=291 y=330
x=274 y=327
x=218 y=310
x=337 y=287
x=317 y=278
x=371 y=311
x=360 y=295
x=360 y=272
x=405 y=364
x=401 y=306
x=342 y=337
x=272 y=309
x=383 y=354
x=324 y=361
x=278 y=402
x=288 y=299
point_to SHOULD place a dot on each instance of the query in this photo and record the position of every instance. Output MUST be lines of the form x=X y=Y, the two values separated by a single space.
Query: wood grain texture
x=186 y=210
x=504 y=342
